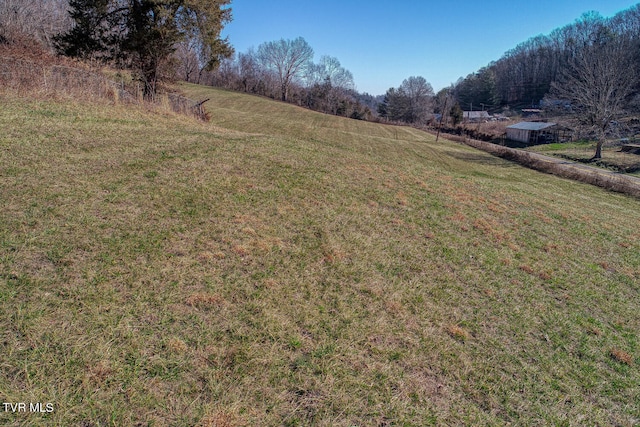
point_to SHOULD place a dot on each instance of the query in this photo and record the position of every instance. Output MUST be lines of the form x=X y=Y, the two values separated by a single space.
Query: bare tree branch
x=598 y=80
x=287 y=58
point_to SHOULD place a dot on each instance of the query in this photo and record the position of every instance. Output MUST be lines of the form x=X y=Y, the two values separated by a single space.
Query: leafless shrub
x=51 y=79
x=181 y=105
x=33 y=19
x=24 y=76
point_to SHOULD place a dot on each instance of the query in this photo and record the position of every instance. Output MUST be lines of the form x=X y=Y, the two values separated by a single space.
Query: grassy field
x=612 y=157
x=279 y=267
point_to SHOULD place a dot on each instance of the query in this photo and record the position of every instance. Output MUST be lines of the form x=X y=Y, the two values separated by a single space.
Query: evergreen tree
x=383 y=107
x=456 y=114
x=144 y=33
x=151 y=36
x=91 y=36
x=399 y=105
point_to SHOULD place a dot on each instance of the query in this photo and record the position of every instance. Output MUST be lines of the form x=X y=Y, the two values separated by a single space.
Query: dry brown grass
x=31 y=71
x=621 y=356
x=219 y=419
x=458 y=333
x=203 y=300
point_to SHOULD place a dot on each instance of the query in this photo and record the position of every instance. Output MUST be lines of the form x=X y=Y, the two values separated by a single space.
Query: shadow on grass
x=483 y=159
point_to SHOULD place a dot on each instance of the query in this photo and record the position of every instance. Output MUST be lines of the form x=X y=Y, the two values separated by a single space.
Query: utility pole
x=444 y=110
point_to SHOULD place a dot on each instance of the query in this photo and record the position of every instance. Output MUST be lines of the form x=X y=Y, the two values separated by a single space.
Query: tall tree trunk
x=598 y=153
x=602 y=138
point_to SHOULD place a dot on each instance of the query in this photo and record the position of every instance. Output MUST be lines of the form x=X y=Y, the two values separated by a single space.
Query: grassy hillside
x=281 y=267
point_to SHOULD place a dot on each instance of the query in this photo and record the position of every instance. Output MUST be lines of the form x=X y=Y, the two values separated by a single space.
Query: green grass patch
x=582 y=151
x=583 y=145
x=282 y=267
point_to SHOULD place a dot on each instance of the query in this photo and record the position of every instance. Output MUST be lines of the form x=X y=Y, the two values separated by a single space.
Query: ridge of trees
x=525 y=74
x=585 y=72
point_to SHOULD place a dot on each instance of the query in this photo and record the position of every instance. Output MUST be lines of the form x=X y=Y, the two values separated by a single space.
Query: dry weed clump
x=458 y=332
x=51 y=78
x=177 y=345
x=98 y=373
x=219 y=255
x=545 y=275
x=621 y=356
x=204 y=300
x=219 y=419
x=206 y=257
x=527 y=269
x=240 y=250
x=401 y=198
x=334 y=255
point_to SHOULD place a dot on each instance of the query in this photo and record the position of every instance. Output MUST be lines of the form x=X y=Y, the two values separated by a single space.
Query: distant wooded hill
x=524 y=74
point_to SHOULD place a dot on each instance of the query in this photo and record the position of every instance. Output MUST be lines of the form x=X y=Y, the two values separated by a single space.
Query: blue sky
x=382 y=42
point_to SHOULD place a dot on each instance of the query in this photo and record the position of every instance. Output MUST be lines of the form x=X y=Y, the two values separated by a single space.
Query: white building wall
x=520 y=135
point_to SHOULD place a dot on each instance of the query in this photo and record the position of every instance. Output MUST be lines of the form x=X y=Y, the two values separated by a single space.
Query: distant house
x=533 y=132
x=531 y=112
x=475 y=116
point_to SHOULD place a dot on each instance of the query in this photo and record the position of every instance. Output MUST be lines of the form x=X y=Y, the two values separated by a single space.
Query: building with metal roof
x=533 y=132
x=475 y=116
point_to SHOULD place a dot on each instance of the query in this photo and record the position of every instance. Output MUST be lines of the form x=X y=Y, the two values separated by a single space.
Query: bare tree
x=37 y=19
x=330 y=70
x=249 y=70
x=187 y=57
x=420 y=98
x=599 y=79
x=288 y=59
x=443 y=103
x=328 y=84
x=409 y=103
x=229 y=74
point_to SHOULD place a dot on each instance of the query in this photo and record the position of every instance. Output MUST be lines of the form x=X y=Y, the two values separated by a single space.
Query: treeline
x=142 y=36
x=525 y=74
x=186 y=45
x=284 y=70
